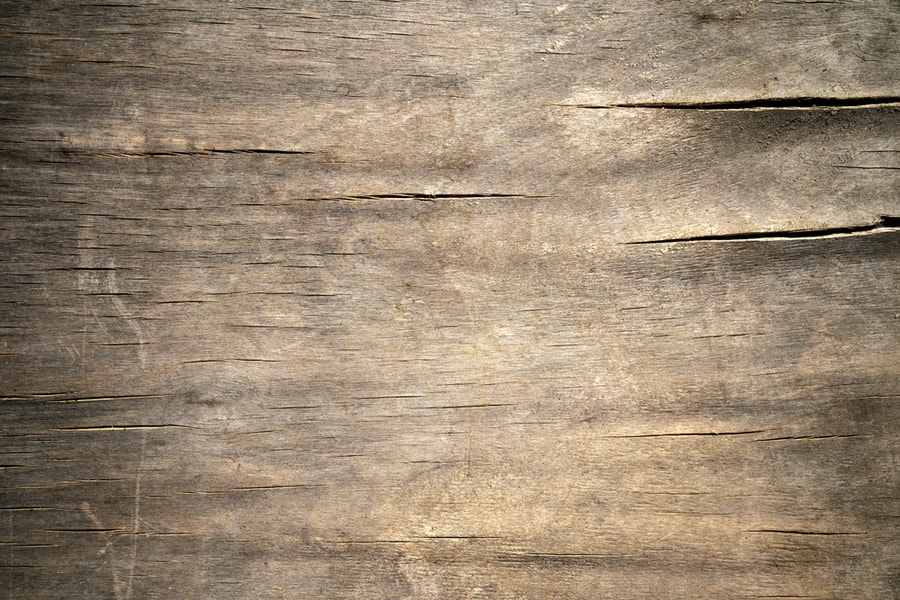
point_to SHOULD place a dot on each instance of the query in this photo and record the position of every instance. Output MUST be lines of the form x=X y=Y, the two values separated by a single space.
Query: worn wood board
x=449 y=300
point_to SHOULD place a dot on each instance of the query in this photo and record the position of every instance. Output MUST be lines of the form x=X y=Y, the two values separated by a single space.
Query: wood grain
x=449 y=300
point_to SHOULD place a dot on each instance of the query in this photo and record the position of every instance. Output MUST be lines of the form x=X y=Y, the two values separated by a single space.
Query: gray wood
x=412 y=300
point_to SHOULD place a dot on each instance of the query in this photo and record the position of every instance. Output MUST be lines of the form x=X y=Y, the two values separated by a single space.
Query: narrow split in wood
x=884 y=224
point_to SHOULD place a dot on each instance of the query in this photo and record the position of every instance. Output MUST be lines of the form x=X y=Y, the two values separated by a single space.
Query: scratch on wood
x=136 y=520
x=117 y=585
x=10 y=519
x=113 y=289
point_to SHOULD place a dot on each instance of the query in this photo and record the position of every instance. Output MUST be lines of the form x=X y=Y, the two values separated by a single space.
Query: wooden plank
x=432 y=76
x=632 y=174
x=412 y=300
x=393 y=396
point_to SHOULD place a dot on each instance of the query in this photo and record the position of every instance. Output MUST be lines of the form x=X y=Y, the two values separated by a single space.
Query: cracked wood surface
x=432 y=300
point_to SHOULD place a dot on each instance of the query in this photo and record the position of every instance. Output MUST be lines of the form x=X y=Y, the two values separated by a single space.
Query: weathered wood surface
x=342 y=300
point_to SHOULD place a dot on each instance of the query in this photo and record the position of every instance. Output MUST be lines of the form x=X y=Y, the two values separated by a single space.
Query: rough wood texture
x=450 y=300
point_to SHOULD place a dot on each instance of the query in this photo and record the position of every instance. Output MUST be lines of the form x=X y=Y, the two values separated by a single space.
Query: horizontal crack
x=572 y=558
x=866 y=167
x=461 y=406
x=459 y=537
x=420 y=196
x=199 y=152
x=85 y=530
x=68 y=399
x=800 y=103
x=800 y=532
x=811 y=437
x=692 y=433
x=883 y=224
x=122 y=427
